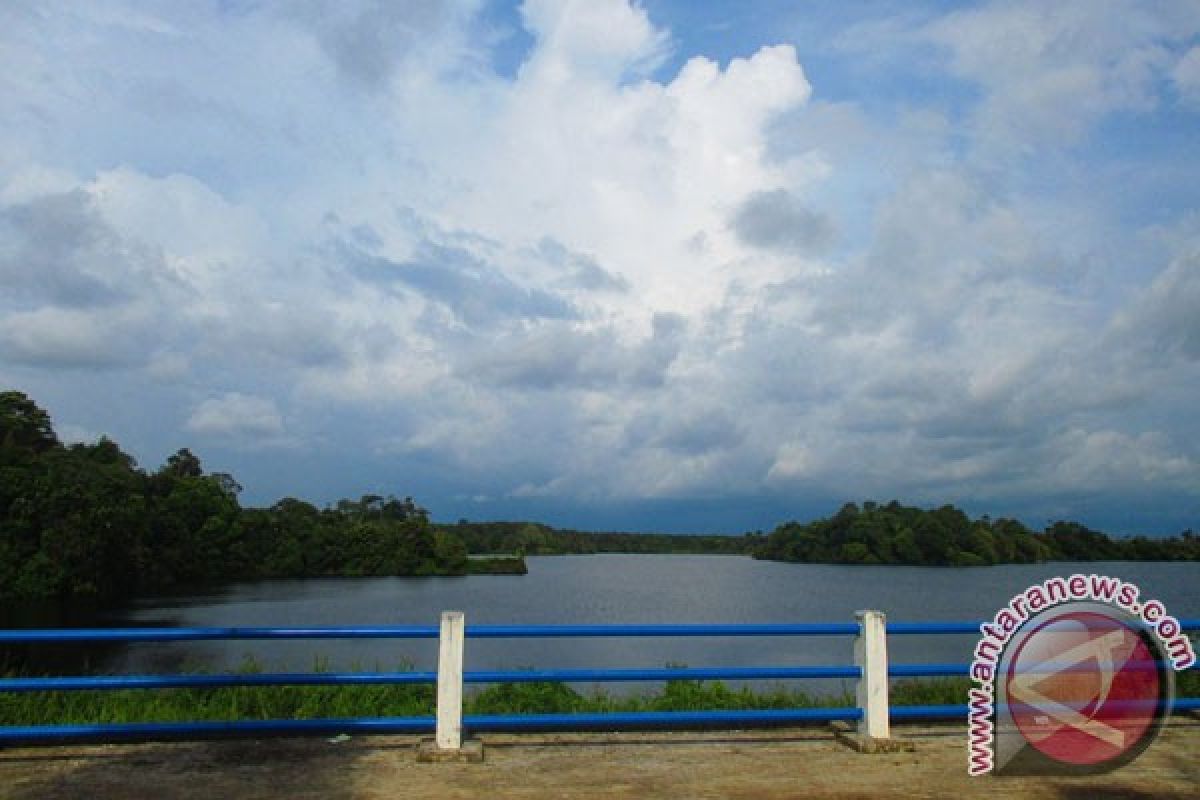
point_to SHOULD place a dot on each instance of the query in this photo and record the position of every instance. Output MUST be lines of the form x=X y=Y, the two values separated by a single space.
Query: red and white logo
x=1082 y=688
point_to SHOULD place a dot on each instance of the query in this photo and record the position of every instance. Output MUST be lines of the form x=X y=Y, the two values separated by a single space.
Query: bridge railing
x=871 y=671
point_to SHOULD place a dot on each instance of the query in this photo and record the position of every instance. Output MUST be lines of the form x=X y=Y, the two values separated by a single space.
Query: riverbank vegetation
x=536 y=539
x=316 y=702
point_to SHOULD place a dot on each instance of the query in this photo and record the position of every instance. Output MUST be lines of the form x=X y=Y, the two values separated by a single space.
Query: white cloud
x=1186 y=75
x=1049 y=71
x=249 y=420
x=71 y=338
x=1113 y=460
x=599 y=40
x=1165 y=317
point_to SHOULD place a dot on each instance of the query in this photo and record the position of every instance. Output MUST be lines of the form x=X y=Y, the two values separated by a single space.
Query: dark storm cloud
x=777 y=220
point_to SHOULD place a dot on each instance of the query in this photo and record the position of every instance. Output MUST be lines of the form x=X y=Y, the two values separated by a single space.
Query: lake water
x=614 y=589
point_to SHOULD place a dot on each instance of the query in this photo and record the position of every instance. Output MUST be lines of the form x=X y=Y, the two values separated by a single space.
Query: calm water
x=615 y=589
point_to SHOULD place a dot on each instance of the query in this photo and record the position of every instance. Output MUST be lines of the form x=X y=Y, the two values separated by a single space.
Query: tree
x=23 y=425
x=226 y=483
x=183 y=465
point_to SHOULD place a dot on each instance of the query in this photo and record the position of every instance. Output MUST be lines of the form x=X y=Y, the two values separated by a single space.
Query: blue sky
x=674 y=265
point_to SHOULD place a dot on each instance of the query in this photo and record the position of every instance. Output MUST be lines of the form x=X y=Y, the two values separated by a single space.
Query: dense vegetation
x=532 y=538
x=896 y=534
x=316 y=702
x=85 y=522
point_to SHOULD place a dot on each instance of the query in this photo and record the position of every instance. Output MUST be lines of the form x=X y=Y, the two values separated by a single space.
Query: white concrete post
x=450 y=681
x=870 y=654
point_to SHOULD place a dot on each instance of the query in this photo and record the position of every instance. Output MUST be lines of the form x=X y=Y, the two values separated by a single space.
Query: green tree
x=24 y=427
x=183 y=464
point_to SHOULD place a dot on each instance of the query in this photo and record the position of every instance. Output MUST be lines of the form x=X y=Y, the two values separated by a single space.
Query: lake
x=613 y=589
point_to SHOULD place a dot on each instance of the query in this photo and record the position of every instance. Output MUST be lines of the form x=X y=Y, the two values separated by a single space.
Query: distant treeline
x=85 y=522
x=896 y=534
x=536 y=539
x=870 y=534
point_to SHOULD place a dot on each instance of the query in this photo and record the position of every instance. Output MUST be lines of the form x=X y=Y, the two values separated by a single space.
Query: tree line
x=946 y=536
x=868 y=534
x=536 y=539
x=84 y=521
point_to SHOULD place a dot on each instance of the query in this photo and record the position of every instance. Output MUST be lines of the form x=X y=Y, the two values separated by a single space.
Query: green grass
x=315 y=702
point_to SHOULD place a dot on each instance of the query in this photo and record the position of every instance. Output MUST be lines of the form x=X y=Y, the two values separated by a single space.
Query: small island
x=946 y=536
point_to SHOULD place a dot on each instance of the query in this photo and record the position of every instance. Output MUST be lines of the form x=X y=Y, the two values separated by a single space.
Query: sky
x=671 y=265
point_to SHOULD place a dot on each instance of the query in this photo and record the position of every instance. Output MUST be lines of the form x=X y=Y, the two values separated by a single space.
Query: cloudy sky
x=672 y=265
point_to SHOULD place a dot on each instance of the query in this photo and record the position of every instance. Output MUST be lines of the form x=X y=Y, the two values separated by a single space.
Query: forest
x=946 y=536
x=536 y=539
x=84 y=521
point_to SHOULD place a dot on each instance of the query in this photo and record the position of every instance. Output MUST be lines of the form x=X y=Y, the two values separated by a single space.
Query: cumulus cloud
x=70 y=338
x=608 y=41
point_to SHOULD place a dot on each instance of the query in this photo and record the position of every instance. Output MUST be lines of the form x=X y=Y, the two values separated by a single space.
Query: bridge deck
x=791 y=763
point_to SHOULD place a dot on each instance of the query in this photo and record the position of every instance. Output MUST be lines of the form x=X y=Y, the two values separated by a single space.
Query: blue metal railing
x=478 y=723
x=129 y=635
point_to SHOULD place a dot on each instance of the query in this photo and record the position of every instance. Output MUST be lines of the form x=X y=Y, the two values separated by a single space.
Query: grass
x=315 y=702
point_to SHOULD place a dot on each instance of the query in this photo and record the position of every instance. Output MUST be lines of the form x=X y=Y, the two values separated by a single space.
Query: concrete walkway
x=793 y=763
